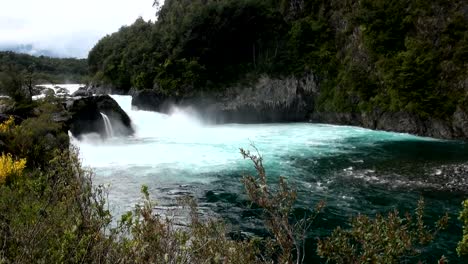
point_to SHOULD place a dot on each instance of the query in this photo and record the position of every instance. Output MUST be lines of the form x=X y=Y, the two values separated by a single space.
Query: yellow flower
x=10 y=167
x=7 y=125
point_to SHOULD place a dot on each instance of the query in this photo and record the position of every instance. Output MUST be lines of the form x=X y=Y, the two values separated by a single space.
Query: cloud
x=67 y=27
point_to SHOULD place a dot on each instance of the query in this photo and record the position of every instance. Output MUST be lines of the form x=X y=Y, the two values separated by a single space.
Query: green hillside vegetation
x=366 y=55
x=18 y=71
x=54 y=70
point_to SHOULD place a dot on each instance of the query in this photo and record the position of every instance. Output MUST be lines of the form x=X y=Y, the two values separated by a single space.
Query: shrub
x=7 y=125
x=10 y=167
x=380 y=239
x=153 y=238
x=278 y=207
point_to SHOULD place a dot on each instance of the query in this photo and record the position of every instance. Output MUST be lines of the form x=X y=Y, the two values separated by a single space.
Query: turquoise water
x=353 y=170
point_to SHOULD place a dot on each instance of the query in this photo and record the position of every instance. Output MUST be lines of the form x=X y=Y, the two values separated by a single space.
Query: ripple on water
x=353 y=170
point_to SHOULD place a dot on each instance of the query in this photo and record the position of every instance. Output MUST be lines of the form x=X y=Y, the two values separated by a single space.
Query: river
x=354 y=170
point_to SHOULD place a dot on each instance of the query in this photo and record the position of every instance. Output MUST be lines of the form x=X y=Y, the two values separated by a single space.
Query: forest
x=365 y=55
x=20 y=70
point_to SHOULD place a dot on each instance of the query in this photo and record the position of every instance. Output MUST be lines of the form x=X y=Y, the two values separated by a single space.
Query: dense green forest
x=19 y=70
x=365 y=54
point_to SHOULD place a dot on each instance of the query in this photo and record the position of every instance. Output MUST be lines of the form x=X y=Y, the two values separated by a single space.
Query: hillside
x=47 y=69
x=365 y=57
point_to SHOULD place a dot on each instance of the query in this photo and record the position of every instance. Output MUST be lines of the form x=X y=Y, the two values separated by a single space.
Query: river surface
x=353 y=170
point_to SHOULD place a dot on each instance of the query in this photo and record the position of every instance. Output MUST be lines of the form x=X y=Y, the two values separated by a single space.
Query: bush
x=51 y=213
x=10 y=167
x=380 y=239
x=277 y=205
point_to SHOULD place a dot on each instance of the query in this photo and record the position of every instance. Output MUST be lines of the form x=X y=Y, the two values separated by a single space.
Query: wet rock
x=61 y=90
x=82 y=92
x=86 y=116
x=48 y=92
x=267 y=100
x=401 y=122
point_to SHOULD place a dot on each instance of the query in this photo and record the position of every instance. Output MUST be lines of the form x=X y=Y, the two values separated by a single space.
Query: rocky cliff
x=293 y=100
x=455 y=127
x=267 y=100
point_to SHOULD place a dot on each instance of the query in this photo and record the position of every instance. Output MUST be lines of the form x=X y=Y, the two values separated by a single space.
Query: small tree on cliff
x=17 y=84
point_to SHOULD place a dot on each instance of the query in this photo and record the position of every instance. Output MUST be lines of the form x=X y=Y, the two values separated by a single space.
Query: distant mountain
x=28 y=49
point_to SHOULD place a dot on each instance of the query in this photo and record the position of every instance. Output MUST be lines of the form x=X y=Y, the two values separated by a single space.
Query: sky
x=68 y=28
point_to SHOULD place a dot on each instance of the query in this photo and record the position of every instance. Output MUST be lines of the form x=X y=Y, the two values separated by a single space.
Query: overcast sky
x=67 y=27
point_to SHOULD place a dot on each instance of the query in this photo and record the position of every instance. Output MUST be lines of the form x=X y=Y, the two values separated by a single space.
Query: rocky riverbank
x=293 y=100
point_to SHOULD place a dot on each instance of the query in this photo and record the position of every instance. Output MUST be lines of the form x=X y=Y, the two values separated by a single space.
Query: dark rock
x=86 y=116
x=83 y=92
x=152 y=100
x=48 y=92
x=61 y=90
x=352 y=119
x=401 y=122
x=101 y=88
x=268 y=100
x=460 y=123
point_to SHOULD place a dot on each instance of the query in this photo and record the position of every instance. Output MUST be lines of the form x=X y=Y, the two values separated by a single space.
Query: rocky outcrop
x=103 y=88
x=403 y=122
x=86 y=116
x=292 y=99
x=82 y=92
x=268 y=100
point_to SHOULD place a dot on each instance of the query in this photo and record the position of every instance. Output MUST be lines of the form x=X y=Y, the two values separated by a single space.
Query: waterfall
x=108 y=126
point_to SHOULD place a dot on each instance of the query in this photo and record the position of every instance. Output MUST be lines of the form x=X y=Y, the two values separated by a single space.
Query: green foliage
x=278 y=207
x=193 y=44
x=37 y=136
x=394 y=55
x=149 y=237
x=46 y=69
x=380 y=239
x=52 y=213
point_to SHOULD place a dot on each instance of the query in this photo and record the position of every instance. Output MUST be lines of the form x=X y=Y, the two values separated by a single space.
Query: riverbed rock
x=86 y=116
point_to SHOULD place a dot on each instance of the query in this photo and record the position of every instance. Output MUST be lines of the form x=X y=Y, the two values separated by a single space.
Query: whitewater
x=354 y=170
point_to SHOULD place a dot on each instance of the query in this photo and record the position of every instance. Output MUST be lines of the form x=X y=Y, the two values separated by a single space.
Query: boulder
x=87 y=116
x=82 y=92
x=48 y=92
